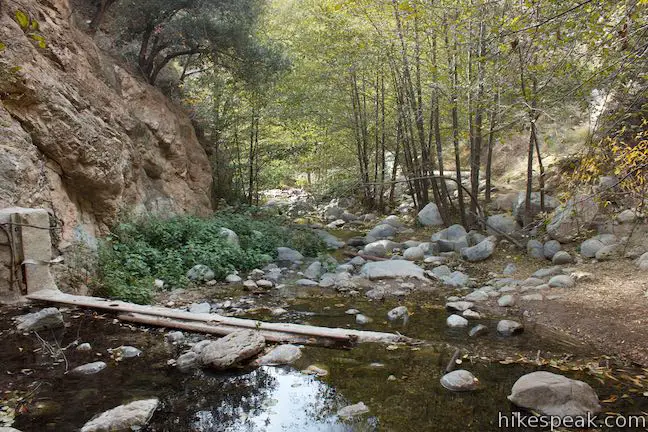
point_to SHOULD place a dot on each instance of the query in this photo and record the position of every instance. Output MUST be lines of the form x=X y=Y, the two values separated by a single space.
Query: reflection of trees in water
x=209 y=402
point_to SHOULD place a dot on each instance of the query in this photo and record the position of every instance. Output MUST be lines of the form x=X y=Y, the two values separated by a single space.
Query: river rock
x=233 y=278
x=459 y=380
x=510 y=269
x=471 y=314
x=285 y=254
x=509 y=327
x=478 y=330
x=561 y=257
x=314 y=270
x=519 y=207
x=507 y=300
x=535 y=249
x=561 y=281
x=642 y=261
x=554 y=395
x=200 y=273
x=307 y=282
x=131 y=416
x=84 y=347
x=329 y=239
x=430 y=215
x=281 y=355
x=477 y=296
x=200 y=308
x=229 y=236
x=232 y=349
x=353 y=410
x=382 y=231
x=414 y=254
x=591 y=246
x=610 y=252
x=125 y=352
x=264 y=283
x=479 y=252
x=188 y=361
x=459 y=306
x=441 y=271
x=569 y=219
x=362 y=319
x=250 y=285
x=455 y=279
x=8 y=429
x=88 y=368
x=454 y=321
x=392 y=269
x=44 y=319
x=551 y=248
x=453 y=232
x=397 y=313
x=357 y=261
x=501 y=223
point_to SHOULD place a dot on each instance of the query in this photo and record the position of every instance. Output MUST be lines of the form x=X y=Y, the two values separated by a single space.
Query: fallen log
x=346 y=342
x=360 y=336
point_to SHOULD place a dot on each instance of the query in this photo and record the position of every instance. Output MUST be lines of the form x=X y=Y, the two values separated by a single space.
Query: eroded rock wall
x=82 y=136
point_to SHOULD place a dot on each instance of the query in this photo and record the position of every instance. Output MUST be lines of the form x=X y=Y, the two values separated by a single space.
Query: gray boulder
x=591 y=246
x=535 y=249
x=232 y=349
x=479 y=252
x=430 y=215
x=501 y=223
x=329 y=239
x=561 y=281
x=44 y=319
x=288 y=255
x=561 y=257
x=554 y=395
x=392 y=269
x=88 y=368
x=397 y=313
x=550 y=203
x=414 y=254
x=200 y=273
x=509 y=327
x=568 y=220
x=281 y=355
x=229 y=236
x=455 y=321
x=314 y=270
x=131 y=416
x=382 y=231
x=507 y=300
x=453 y=232
x=459 y=380
x=394 y=221
x=610 y=252
x=551 y=248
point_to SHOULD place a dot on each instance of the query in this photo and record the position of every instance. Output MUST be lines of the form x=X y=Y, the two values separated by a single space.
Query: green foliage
x=139 y=251
x=31 y=27
x=22 y=19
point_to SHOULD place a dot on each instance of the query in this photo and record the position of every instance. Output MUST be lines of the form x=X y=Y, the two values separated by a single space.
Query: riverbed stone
x=233 y=278
x=392 y=269
x=285 y=254
x=561 y=281
x=357 y=261
x=477 y=296
x=455 y=279
x=547 y=272
x=250 y=285
x=414 y=254
x=232 y=349
x=551 y=248
x=479 y=252
x=229 y=236
x=509 y=327
x=131 y=416
x=382 y=231
x=507 y=300
x=200 y=308
x=430 y=215
x=459 y=306
x=44 y=319
x=569 y=219
x=561 y=257
x=478 y=330
x=399 y=312
x=642 y=262
x=200 y=273
x=459 y=380
x=501 y=223
x=354 y=410
x=535 y=249
x=314 y=270
x=306 y=282
x=470 y=314
x=281 y=355
x=264 y=283
x=329 y=239
x=88 y=368
x=453 y=232
x=174 y=337
x=362 y=319
x=442 y=270
x=125 y=352
x=188 y=361
x=554 y=395
x=84 y=347
x=454 y=321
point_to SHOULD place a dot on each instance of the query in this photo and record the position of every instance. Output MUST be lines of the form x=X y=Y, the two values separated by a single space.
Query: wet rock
x=88 y=369
x=315 y=370
x=568 y=220
x=561 y=281
x=174 y=337
x=507 y=300
x=84 y=347
x=229 y=236
x=200 y=273
x=281 y=355
x=478 y=330
x=471 y=314
x=509 y=269
x=392 y=269
x=131 y=416
x=382 y=231
x=124 y=352
x=233 y=278
x=232 y=349
x=554 y=395
x=188 y=361
x=362 y=319
x=479 y=252
x=307 y=282
x=399 y=312
x=561 y=257
x=458 y=306
x=264 y=283
x=454 y=321
x=200 y=308
x=501 y=223
x=430 y=215
x=535 y=249
x=285 y=254
x=551 y=248
x=44 y=319
x=459 y=380
x=353 y=410
x=509 y=327
x=314 y=270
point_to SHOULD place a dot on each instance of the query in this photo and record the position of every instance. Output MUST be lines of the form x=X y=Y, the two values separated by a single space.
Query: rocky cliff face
x=82 y=136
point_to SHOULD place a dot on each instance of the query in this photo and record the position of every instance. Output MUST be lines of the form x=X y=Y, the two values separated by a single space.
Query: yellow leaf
x=22 y=19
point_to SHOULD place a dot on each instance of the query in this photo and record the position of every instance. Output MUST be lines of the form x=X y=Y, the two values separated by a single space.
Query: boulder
x=554 y=395
x=382 y=231
x=131 y=416
x=232 y=349
x=397 y=313
x=459 y=306
x=200 y=273
x=610 y=252
x=288 y=255
x=642 y=261
x=561 y=281
x=281 y=355
x=591 y=246
x=551 y=248
x=392 y=269
x=453 y=233
x=329 y=239
x=314 y=270
x=229 y=236
x=509 y=327
x=394 y=221
x=414 y=254
x=44 y=319
x=627 y=216
x=478 y=330
x=455 y=321
x=480 y=251
x=459 y=380
x=501 y=223
x=550 y=203
x=568 y=220
x=88 y=368
x=430 y=215
x=535 y=249
x=561 y=257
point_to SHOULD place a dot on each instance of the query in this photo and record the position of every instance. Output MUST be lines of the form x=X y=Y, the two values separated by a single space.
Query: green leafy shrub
x=137 y=252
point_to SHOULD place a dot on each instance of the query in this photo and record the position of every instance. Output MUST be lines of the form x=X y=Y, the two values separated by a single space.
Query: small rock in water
x=280 y=355
x=187 y=361
x=232 y=349
x=397 y=313
x=352 y=311
x=174 y=337
x=478 y=330
x=459 y=380
x=200 y=308
x=353 y=410
x=454 y=321
x=263 y=283
x=362 y=319
x=42 y=320
x=84 y=347
x=89 y=368
x=315 y=370
x=471 y=314
x=132 y=416
x=124 y=352
x=459 y=306
x=509 y=327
